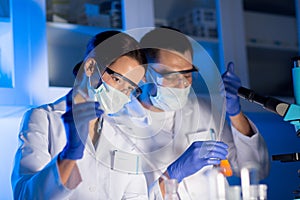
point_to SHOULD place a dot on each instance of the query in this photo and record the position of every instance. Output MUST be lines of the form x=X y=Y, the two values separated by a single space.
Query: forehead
x=128 y=67
x=175 y=60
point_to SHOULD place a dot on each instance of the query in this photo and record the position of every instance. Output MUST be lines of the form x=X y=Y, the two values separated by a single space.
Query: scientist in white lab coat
x=182 y=124
x=65 y=150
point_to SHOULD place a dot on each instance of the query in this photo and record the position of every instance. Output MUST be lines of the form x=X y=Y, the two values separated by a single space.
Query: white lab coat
x=192 y=123
x=35 y=173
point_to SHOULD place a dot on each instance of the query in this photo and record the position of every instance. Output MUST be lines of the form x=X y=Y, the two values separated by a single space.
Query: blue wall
x=10 y=118
x=281 y=138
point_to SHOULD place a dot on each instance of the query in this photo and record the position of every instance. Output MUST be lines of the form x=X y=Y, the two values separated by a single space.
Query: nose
x=125 y=91
x=182 y=82
x=125 y=88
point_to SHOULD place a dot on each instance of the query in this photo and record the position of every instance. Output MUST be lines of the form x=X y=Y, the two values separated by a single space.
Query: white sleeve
x=35 y=174
x=244 y=150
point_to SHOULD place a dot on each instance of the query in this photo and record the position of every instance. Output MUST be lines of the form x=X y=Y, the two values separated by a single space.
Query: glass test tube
x=251 y=189
x=217 y=184
x=171 y=186
x=224 y=164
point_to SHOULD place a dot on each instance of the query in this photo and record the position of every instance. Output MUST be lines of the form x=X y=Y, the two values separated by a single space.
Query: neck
x=93 y=130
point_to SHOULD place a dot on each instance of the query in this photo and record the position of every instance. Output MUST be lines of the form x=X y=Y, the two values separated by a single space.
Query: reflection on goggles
x=136 y=91
x=174 y=78
x=194 y=69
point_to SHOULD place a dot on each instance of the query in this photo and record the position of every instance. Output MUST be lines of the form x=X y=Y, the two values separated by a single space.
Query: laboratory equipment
x=289 y=112
x=226 y=168
x=250 y=188
x=217 y=185
x=171 y=186
x=249 y=182
x=234 y=192
x=296 y=81
x=224 y=164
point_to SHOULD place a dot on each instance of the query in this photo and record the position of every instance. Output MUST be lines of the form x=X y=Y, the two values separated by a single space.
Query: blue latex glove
x=198 y=155
x=231 y=83
x=76 y=122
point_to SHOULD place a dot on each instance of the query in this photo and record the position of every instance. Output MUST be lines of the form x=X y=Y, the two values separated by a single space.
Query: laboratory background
x=41 y=41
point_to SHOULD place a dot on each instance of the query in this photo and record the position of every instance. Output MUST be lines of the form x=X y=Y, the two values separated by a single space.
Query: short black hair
x=164 y=38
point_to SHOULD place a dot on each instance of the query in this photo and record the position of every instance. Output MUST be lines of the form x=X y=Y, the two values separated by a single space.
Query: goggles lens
x=121 y=80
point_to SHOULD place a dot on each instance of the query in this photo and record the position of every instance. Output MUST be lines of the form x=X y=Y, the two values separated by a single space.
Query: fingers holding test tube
x=198 y=155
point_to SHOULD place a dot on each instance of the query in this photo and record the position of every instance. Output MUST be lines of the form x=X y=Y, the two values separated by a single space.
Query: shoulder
x=43 y=112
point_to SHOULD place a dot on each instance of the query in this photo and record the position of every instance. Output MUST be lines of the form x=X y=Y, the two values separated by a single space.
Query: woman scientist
x=60 y=142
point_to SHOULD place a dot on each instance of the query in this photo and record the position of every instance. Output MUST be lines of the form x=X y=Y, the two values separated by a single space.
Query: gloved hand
x=198 y=155
x=231 y=83
x=76 y=121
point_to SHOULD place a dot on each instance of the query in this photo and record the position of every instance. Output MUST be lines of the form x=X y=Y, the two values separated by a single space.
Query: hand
x=76 y=121
x=198 y=155
x=231 y=83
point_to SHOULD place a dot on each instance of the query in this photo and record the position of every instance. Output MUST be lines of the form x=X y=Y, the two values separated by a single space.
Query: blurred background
x=42 y=40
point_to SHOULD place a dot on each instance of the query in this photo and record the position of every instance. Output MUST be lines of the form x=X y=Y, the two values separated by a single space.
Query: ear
x=89 y=66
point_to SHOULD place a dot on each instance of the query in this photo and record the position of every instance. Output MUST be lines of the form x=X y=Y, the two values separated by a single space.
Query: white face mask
x=110 y=99
x=170 y=99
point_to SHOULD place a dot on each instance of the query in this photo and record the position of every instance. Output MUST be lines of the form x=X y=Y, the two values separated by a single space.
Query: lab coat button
x=92 y=188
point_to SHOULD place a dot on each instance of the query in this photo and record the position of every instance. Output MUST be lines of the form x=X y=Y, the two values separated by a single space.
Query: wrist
x=234 y=110
x=71 y=154
x=173 y=175
x=242 y=124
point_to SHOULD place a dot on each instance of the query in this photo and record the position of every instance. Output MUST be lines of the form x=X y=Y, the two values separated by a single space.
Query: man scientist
x=176 y=115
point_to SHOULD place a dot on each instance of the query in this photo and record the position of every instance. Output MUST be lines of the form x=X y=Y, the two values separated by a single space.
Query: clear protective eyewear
x=121 y=80
x=174 y=78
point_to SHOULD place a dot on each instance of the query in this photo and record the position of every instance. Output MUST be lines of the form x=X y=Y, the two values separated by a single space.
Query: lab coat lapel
x=182 y=125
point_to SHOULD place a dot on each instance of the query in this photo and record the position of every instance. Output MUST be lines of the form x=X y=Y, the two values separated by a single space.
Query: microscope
x=289 y=112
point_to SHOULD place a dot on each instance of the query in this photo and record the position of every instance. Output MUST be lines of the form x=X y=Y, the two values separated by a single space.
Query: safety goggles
x=122 y=80
x=173 y=78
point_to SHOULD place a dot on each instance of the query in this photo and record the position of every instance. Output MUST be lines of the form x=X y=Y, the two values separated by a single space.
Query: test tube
x=218 y=186
x=171 y=186
x=224 y=164
x=262 y=192
x=251 y=189
x=234 y=193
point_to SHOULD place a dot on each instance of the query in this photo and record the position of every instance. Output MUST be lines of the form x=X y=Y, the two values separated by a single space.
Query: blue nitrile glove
x=76 y=121
x=198 y=155
x=231 y=83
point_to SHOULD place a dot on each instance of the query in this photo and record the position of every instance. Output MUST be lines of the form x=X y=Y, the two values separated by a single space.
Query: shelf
x=5 y=28
x=273 y=46
x=203 y=39
x=271 y=31
x=88 y=30
x=4 y=19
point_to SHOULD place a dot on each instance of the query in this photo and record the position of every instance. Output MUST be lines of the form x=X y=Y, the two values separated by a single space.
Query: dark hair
x=165 y=38
x=107 y=46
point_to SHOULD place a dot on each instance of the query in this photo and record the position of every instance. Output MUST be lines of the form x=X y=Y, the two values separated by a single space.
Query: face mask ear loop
x=99 y=75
